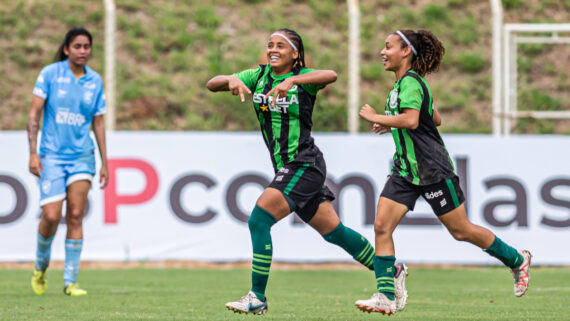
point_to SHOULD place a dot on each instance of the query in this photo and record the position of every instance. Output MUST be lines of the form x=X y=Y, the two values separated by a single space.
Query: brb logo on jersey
x=432 y=195
x=64 y=116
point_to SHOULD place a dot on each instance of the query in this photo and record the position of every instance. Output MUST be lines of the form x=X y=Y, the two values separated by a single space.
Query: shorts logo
x=279 y=178
x=46 y=187
x=432 y=195
x=443 y=202
x=284 y=170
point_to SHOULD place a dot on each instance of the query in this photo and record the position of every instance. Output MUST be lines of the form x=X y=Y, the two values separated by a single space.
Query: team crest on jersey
x=88 y=97
x=61 y=93
x=393 y=100
x=46 y=187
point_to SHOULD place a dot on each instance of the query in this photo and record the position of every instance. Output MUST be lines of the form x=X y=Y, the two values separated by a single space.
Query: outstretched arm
x=228 y=83
x=315 y=77
x=33 y=126
x=409 y=119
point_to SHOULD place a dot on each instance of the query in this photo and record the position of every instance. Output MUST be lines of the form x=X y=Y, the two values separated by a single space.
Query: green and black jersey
x=421 y=157
x=286 y=126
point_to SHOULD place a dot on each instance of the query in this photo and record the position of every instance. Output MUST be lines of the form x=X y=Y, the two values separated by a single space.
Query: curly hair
x=430 y=50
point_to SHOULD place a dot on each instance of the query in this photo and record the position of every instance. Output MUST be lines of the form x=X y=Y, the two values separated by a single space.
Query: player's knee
x=51 y=217
x=260 y=219
x=74 y=218
x=381 y=228
x=461 y=235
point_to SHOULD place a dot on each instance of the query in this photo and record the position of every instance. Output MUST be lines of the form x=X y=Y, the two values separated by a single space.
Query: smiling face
x=79 y=50
x=280 y=54
x=394 y=57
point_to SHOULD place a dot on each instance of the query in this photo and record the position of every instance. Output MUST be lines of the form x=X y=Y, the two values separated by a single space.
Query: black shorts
x=303 y=184
x=442 y=197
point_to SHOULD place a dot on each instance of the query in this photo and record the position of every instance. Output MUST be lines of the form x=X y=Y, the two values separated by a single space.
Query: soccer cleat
x=521 y=274
x=400 y=292
x=377 y=303
x=39 y=281
x=248 y=303
x=73 y=289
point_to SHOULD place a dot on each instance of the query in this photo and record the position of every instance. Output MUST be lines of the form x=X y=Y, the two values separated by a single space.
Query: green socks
x=260 y=223
x=385 y=271
x=505 y=253
x=353 y=243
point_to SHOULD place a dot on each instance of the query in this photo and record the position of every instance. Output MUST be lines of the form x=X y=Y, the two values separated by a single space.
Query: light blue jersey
x=70 y=107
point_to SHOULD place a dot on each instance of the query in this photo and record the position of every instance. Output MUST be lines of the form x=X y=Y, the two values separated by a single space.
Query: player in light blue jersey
x=71 y=96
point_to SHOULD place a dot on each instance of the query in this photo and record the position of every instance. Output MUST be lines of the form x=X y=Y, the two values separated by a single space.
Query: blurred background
x=167 y=50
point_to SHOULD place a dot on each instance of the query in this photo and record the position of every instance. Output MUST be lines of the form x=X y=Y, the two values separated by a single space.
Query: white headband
x=407 y=41
x=284 y=37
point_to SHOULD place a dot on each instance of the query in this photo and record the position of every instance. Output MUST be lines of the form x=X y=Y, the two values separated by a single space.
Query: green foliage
x=524 y=64
x=465 y=31
x=532 y=49
x=458 y=3
x=511 y=4
x=471 y=62
x=533 y=99
x=205 y=16
x=167 y=51
x=434 y=13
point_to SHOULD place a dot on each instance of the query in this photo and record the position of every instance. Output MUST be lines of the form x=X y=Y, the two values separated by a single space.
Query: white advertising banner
x=187 y=196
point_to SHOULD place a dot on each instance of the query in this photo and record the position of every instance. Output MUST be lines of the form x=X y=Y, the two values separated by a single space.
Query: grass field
x=199 y=294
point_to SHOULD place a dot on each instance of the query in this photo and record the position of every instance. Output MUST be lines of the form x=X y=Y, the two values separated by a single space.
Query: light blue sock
x=72 y=255
x=43 y=252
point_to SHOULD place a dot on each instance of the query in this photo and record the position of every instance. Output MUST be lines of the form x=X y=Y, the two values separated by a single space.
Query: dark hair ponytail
x=296 y=38
x=430 y=50
x=69 y=36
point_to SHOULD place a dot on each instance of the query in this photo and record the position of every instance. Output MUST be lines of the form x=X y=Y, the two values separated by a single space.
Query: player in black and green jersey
x=422 y=166
x=284 y=93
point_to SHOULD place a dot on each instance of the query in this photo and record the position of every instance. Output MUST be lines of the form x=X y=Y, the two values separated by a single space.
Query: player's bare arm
x=35 y=165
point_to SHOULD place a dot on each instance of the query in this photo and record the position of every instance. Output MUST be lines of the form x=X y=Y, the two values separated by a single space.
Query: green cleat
x=39 y=282
x=73 y=289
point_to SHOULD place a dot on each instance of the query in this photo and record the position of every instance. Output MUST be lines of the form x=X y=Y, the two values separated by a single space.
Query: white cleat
x=521 y=274
x=400 y=292
x=377 y=303
x=248 y=303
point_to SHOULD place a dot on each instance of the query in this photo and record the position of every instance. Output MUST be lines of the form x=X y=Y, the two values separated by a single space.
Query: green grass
x=198 y=294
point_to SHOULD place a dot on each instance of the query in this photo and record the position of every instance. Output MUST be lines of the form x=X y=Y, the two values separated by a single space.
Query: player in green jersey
x=284 y=92
x=422 y=166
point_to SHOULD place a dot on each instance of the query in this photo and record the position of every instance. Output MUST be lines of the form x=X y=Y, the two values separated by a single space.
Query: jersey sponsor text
x=68 y=118
x=433 y=195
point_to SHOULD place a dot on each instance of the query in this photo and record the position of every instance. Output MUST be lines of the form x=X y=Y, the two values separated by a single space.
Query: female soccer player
x=421 y=166
x=284 y=93
x=71 y=94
